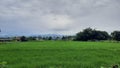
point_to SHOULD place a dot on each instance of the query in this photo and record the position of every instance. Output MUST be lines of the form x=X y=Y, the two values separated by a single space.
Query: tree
x=23 y=38
x=85 y=35
x=91 y=34
x=116 y=35
x=50 y=38
x=100 y=35
x=63 y=38
x=31 y=38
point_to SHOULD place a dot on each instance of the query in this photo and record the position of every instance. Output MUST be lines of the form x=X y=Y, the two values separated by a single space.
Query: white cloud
x=57 y=21
x=63 y=16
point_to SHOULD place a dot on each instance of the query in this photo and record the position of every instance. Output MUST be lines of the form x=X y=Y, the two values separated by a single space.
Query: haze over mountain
x=26 y=17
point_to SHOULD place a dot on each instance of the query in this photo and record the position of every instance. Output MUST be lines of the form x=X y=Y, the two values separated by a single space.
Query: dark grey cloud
x=58 y=16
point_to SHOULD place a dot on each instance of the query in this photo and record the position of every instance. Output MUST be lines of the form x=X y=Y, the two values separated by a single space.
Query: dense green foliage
x=23 y=38
x=59 y=54
x=116 y=35
x=91 y=34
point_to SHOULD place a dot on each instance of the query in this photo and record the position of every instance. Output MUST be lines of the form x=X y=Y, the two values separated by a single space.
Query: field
x=59 y=54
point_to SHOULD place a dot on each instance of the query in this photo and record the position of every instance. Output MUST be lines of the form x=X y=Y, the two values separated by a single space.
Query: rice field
x=59 y=54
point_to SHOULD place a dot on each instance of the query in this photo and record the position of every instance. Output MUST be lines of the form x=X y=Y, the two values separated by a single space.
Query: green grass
x=59 y=54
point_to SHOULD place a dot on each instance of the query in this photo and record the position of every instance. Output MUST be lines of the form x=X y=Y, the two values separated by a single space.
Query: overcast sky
x=58 y=16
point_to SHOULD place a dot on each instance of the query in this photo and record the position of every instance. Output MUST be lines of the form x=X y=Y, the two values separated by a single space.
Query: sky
x=66 y=17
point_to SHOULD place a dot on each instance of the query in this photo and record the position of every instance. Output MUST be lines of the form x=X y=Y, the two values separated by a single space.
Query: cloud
x=53 y=16
x=57 y=21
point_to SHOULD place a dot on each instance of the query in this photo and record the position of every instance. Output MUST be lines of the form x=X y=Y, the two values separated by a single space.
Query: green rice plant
x=3 y=64
x=59 y=54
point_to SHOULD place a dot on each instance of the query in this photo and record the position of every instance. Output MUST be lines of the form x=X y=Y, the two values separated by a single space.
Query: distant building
x=17 y=39
x=5 y=39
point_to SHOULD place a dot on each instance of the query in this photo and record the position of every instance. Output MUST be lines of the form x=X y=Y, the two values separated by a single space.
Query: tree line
x=40 y=38
x=90 y=34
x=87 y=34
